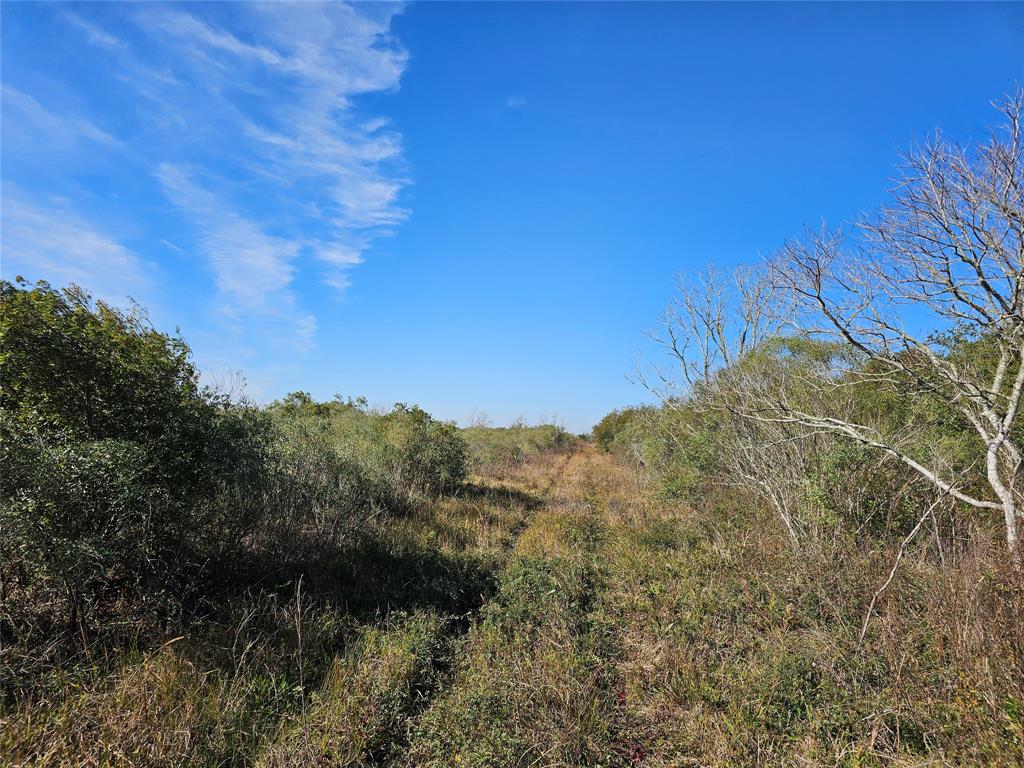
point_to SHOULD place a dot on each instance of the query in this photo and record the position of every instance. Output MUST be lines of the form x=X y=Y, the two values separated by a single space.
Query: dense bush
x=401 y=453
x=505 y=447
x=112 y=457
x=830 y=487
x=617 y=426
x=128 y=487
x=425 y=455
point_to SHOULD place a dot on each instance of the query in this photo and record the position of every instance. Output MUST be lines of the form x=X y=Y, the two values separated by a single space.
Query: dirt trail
x=536 y=680
x=540 y=671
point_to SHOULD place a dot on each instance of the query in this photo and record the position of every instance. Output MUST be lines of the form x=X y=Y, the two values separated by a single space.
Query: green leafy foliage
x=129 y=489
x=187 y=580
x=505 y=447
x=112 y=455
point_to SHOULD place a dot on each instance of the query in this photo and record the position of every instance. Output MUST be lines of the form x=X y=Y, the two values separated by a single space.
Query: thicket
x=132 y=495
x=501 y=448
x=847 y=416
x=896 y=342
x=829 y=489
x=888 y=627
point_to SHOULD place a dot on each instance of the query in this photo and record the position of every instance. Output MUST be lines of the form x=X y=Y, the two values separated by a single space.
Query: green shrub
x=128 y=487
x=112 y=455
x=427 y=456
x=617 y=427
x=398 y=455
x=506 y=447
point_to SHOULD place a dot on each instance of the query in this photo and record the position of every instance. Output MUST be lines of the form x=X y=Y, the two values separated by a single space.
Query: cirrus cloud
x=237 y=134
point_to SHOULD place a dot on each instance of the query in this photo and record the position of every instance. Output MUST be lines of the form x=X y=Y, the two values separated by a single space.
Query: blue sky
x=474 y=207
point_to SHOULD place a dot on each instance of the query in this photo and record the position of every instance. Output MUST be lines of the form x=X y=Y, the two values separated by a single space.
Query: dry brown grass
x=558 y=614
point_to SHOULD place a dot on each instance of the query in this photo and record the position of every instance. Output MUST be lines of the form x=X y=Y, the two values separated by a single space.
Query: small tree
x=930 y=293
x=723 y=335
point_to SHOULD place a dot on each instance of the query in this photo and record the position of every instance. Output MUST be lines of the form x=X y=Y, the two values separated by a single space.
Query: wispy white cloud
x=515 y=102
x=49 y=240
x=251 y=121
x=93 y=33
x=54 y=129
x=287 y=93
x=252 y=269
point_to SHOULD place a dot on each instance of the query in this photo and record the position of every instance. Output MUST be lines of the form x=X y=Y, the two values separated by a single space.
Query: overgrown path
x=537 y=680
x=532 y=677
x=630 y=631
x=369 y=708
x=553 y=613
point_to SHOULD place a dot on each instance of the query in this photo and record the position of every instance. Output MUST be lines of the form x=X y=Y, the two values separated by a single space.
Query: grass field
x=552 y=613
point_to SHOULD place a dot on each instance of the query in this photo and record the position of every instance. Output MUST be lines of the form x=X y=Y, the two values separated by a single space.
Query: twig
x=896 y=564
x=298 y=635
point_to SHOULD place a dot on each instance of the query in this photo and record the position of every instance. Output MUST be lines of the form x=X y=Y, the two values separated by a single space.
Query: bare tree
x=713 y=332
x=715 y=320
x=937 y=271
x=774 y=459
